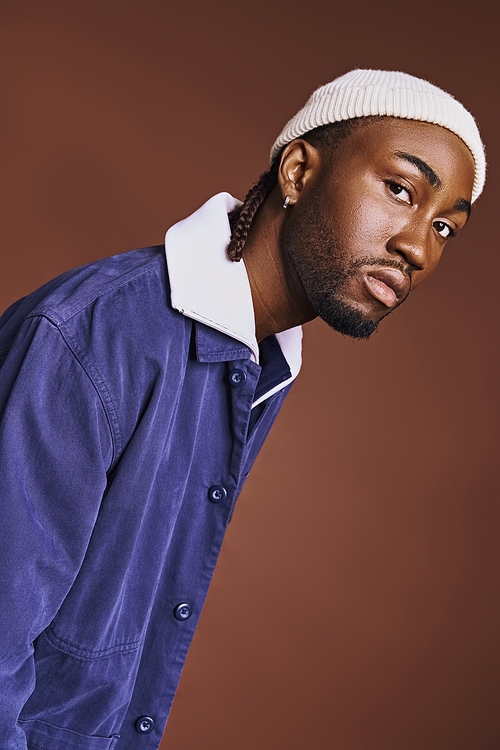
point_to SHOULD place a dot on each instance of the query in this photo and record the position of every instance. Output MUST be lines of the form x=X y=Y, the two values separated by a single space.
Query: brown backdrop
x=355 y=603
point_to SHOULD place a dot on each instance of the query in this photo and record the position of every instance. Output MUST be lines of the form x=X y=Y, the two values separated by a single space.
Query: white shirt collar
x=207 y=287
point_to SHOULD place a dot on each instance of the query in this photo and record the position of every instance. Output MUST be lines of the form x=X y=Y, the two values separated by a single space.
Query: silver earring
x=286 y=202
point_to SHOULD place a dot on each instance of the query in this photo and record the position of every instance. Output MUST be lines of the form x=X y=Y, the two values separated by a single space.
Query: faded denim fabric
x=118 y=414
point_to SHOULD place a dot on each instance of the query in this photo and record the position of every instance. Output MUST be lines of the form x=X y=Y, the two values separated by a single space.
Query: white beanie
x=362 y=93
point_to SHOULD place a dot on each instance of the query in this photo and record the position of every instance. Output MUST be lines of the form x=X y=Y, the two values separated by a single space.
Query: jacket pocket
x=43 y=736
x=78 y=696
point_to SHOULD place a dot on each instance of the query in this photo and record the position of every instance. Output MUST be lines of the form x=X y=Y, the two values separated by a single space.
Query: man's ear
x=300 y=162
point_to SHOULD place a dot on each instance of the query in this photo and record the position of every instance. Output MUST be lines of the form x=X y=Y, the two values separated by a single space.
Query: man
x=136 y=392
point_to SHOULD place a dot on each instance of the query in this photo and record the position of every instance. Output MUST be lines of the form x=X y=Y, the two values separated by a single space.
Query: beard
x=323 y=267
x=342 y=317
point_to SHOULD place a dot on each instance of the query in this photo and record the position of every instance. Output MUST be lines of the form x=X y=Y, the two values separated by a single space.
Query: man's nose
x=413 y=245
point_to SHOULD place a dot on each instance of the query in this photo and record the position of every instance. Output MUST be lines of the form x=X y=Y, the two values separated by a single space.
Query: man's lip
x=388 y=285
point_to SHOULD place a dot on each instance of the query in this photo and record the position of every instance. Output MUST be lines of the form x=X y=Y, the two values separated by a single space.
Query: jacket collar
x=209 y=288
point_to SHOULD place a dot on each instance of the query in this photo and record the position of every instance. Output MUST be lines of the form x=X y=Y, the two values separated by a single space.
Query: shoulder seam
x=102 y=391
x=96 y=293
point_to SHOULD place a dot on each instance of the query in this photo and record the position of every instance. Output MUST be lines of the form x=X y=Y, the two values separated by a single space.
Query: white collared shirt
x=206 y=286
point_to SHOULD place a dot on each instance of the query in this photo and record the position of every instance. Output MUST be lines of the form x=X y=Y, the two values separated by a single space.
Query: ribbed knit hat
x=362 y=93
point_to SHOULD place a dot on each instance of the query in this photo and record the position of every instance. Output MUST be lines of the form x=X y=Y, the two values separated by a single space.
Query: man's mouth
x=388 y=285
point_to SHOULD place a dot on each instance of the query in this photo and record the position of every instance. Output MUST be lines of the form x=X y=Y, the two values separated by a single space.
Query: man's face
x=373 y=223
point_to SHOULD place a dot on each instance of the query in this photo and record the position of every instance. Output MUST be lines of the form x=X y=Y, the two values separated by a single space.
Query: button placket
x=241 y=406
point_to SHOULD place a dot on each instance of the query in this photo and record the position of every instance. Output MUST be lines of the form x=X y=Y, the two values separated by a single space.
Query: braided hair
x=240 y=219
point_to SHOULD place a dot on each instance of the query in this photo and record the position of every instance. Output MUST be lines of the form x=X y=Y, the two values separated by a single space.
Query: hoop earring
x=286 y=201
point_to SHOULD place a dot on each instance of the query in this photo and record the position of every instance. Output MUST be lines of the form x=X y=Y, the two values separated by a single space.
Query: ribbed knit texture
x=362 y=93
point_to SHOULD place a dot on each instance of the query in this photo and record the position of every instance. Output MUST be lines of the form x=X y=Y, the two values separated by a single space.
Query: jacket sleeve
x=55 y=448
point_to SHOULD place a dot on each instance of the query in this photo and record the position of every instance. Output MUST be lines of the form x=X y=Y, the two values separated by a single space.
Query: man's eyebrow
x=463 y=205
x=422 y=167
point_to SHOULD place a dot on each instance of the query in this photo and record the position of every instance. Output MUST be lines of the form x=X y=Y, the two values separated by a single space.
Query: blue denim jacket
x=126 y=434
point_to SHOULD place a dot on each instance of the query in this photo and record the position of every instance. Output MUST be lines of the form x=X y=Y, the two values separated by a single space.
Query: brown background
x=355 y=604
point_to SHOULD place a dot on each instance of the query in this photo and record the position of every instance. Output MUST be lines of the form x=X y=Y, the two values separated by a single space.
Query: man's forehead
x=426 y=145
x=436 y=153
x=386 y=126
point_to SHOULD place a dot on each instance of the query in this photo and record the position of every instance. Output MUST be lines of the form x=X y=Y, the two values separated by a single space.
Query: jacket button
x=144 y=724
x=217 y=493
x=183 y=611
x=237 y=378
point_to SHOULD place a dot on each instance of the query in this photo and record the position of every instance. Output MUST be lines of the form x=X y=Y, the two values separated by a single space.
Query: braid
x=241 y=218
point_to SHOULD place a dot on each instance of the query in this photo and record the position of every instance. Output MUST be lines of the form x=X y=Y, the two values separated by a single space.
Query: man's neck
x=278 y=298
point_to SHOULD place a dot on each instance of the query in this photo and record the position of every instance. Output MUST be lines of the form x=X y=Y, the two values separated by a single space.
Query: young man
x=136 y=392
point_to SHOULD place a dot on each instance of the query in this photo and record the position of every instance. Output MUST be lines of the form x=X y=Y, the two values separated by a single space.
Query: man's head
x=379 y=170
x=370 y=219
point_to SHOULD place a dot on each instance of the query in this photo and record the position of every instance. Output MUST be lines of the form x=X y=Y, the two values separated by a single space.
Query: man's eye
x=443 y=229
x=401 y=192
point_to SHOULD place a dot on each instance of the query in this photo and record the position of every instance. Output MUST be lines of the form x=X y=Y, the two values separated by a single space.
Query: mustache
x=371 y=262
x=385 y=263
